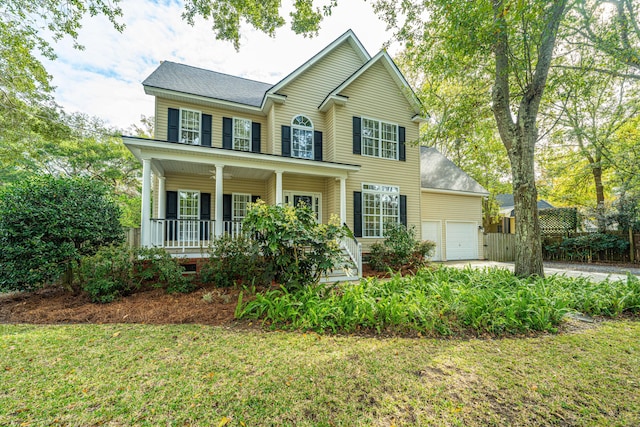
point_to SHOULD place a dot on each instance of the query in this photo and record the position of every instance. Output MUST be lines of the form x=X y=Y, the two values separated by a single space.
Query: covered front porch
x=193 y=194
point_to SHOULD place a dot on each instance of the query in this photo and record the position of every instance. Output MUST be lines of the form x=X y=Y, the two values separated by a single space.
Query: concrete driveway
x=597 y=273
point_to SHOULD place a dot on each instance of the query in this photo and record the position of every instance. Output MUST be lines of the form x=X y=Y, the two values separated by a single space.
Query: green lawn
x=120 y=375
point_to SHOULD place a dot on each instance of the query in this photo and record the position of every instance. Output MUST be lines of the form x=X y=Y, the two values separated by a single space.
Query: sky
x=104 y=79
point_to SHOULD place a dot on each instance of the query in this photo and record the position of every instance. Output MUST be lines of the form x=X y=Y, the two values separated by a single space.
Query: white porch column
x=219 y=200
x=162 y=197
x=278 y=187
x=343 y=200
x=145 y=222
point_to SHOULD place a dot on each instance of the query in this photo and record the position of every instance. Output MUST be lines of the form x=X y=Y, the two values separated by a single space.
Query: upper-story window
x=379 y=139
x=302 y=137
x=241 y=134
x=190 y=127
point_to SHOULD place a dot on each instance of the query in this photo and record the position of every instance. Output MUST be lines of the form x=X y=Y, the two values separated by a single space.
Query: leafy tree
x=47 y=224
x=588 y=109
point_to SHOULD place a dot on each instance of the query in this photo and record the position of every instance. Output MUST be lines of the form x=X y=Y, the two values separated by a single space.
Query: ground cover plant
x=443 y=301
x=197 y=375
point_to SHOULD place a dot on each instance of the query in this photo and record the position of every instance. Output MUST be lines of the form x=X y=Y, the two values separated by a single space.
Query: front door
x=313 y=200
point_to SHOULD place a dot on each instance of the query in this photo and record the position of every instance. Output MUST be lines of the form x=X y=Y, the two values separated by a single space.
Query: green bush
x=444 y=301
x=399 y=249
x=588 y=246
x=296 y=249
x=116 y=271
x=234 y=260
x=47 y=224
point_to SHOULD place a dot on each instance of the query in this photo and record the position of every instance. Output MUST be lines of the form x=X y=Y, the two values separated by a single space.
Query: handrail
x=353 y=248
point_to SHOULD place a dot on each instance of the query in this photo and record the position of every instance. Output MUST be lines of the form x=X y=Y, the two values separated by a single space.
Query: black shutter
x=206 y=130
x=205 y=215
x=254 y=199
x=171 y=213
x=317 y=146
x=403 y=210
x=173 y=129
x=227 y=204
x=226 y=207
x=357 y=135
x=402 y=150
x=357 y=213
x=227 y=133
x=286 y=141
x=255 y=137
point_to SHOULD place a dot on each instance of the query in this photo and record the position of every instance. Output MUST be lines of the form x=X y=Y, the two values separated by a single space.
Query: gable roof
x=210 y=84
x=506 y=202
x=439 y=173
x=395 y=73
x=348 y=37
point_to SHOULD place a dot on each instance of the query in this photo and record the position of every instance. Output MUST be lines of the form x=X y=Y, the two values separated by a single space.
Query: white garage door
x=431 y=230
x=462 y=240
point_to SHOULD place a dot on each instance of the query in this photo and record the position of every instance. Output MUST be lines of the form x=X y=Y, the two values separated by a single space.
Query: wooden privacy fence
x=500 y=247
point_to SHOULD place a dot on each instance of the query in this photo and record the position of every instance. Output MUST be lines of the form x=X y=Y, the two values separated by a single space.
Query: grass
x=444 y=302
x=176 y=375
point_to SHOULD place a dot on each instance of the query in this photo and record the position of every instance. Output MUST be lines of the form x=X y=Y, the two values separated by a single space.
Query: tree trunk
x=528 y=260
x=600 y=213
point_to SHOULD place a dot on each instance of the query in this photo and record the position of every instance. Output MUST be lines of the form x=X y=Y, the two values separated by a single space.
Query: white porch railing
x=354 y=250
x=188 y=233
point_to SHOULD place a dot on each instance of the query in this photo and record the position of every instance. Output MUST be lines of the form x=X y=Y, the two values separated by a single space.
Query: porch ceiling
x=230 y=172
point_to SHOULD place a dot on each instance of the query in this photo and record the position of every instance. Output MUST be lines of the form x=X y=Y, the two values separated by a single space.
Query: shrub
x=295 y=248
x=400 y=249
x=234 y=260
x=116 y=271
x=586 y=247
x=47 y=224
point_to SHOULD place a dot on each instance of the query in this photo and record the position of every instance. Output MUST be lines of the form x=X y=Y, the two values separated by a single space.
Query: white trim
x=380 y=122
x=305 y=129
x=292 y=193
x=164 y=150
x=199 y=126
x=233 y=132
x=453 y=192
x=198 y=99
x=367 y=191
x=189 y=191
x=475 y=237
x=347 y=36
x=395 y=74
x=233 y=204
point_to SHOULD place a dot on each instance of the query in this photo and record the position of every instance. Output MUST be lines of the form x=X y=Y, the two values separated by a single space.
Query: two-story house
x=336 y=134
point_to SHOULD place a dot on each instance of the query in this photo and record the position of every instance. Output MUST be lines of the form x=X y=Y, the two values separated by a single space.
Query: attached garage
x=462 y=240
x=451 y=208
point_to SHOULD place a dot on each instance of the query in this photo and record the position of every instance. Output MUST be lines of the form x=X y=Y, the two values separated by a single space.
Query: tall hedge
x=47 y=224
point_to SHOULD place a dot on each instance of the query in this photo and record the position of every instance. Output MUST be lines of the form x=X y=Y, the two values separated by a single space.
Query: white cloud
x=104 y=80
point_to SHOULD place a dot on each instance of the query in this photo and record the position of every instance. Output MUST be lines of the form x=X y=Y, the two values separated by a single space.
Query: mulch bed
x=57 y=305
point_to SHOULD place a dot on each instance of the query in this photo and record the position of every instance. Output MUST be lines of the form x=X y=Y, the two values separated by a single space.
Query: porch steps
x=347 y=272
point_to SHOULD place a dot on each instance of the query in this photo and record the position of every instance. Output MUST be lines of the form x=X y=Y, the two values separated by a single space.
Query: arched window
x=302 y=137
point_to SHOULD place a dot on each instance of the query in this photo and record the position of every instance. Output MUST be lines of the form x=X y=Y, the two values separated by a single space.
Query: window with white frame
x=302 y=137
x=380 y=205
x=240 y=204
x=241 y=134
x=190 y=127
x=189 y=214
x=379 y=139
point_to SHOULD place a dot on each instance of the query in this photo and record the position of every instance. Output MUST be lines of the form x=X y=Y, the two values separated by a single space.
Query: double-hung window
x=241 y=134
x=240 y=204
x=380 y=205
x=302 y=137
x=379 y=139
x=190 y=127
x=188 y=215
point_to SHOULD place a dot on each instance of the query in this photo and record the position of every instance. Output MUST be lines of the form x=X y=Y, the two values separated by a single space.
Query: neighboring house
x=451 y=206
x=507 y=221
x=338 y=133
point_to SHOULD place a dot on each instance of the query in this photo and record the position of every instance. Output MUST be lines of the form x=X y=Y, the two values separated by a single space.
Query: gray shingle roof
x=210 y=84
x=506 y=201
x=438 y=172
